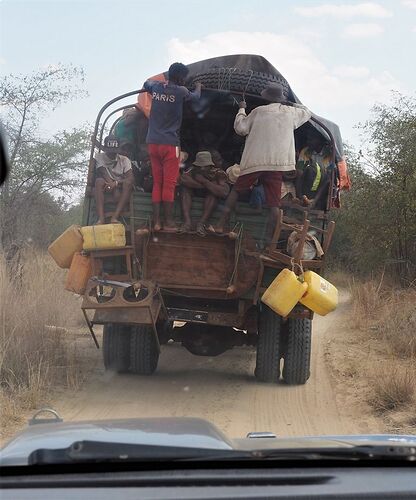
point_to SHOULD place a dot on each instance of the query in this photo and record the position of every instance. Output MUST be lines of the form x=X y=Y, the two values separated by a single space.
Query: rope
x=237 y=251
x=248 y=83
x=224 y=75
x=295 y=265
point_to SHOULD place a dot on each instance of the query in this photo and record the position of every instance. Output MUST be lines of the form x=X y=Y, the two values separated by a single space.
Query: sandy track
x=222 y=390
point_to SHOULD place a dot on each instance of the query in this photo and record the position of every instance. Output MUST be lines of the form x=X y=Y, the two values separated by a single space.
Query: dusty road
x=222 y=390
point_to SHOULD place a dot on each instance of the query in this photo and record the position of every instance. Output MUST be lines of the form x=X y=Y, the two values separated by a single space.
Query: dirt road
x=222 y=390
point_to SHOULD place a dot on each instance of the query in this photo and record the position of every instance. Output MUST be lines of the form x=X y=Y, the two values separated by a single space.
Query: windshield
x=209 y=214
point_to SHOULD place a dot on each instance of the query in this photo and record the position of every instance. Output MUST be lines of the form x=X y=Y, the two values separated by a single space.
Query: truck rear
x=205 y=292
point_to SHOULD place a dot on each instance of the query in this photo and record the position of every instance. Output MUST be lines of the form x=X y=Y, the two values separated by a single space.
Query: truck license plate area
x=187 y=315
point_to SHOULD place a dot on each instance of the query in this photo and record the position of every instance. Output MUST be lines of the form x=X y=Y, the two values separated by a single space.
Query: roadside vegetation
x=385 y=317
x=38 y=351
x=374 y=257
x=39 y=327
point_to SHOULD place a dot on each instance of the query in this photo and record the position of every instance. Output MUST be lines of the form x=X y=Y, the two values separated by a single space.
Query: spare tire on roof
x=239 y=80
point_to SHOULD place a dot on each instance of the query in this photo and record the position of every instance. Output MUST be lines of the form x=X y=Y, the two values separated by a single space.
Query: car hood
x=178 y=432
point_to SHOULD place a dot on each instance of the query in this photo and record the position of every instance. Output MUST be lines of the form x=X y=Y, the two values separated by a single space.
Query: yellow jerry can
x=321 y=296
x=63 y=248
x=104 y=236
x=284 y=292
x=79 y=273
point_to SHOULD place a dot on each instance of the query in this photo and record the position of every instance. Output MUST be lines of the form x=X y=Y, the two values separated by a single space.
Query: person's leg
x=228 y=207
x=124 y=197
x=170 y=177
x=99 y=199
x=272 y=183
x=157 y=173
x=299 y=184
x=244 y=183
x=210 y=202
x=186 y=201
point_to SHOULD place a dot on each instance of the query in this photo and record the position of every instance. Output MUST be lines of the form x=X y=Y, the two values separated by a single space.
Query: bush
x=36 y=349
x=393 y=388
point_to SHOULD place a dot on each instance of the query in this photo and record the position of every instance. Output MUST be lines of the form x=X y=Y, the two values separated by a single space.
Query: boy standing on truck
x=269 y=150
x=163 y=139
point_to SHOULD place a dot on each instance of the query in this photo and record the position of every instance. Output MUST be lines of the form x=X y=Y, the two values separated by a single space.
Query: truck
x=205 y=292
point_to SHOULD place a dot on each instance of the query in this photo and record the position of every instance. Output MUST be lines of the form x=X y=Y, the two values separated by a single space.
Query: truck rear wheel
x=116 y=347
x=144 y=354
x=268 y=346
x=297 y=358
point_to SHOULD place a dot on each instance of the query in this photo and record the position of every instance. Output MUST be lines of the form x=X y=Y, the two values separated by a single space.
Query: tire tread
x=144 y=355
x=297 y=360
x=116 y=347
x=268 y=346
x=240 y=80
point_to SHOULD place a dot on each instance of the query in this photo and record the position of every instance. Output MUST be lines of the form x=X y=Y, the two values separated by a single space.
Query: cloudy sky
x=340 y=57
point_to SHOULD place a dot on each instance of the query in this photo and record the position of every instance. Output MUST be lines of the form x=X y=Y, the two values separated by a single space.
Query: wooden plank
x=190 y=263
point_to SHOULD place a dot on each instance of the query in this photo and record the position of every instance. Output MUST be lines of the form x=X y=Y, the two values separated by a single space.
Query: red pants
x=165 y=171
x=272 y=184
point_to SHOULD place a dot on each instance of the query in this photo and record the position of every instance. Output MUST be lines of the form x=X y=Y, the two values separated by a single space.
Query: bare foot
x=99 y=222
x=157 y=226
x=113 y=220
x=218 y=229
x=142 y=231
x=185 y=228
x=169 y=228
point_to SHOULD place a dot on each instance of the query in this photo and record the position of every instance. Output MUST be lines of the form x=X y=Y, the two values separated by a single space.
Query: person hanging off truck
x=114 y=174
x=269 y=150
x=163 y=139
x=312 y=179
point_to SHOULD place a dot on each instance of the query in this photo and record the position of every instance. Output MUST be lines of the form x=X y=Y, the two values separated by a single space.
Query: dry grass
x=387 y=313
x=386 y=316
x=35 y=358
x=393 y=388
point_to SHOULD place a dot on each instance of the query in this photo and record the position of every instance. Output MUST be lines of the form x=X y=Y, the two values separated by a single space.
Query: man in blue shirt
x=163 y=139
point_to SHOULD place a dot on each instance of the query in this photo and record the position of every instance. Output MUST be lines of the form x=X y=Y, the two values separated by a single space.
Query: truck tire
x=268 y=346
x=116 y=347
x=239 y=80
x=144 y=354
x=297 y=358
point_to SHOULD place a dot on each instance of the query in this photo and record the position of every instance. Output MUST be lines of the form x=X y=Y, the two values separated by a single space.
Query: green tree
x=377 y=226
x=42 y=169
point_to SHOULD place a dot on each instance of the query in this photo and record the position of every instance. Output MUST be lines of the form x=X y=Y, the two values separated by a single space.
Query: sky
x=340 y=57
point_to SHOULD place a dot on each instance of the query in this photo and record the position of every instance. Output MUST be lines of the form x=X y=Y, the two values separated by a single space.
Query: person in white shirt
x=269 y=149
x=114 y=174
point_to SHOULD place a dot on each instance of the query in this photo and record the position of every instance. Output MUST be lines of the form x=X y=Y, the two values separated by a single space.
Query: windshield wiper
x=96 y=451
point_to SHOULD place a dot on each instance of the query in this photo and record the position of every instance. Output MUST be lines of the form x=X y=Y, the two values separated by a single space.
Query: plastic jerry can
x=63 y=248
x=104 y=236
x=284 y=292
x=321 y=296
x=79 y=273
